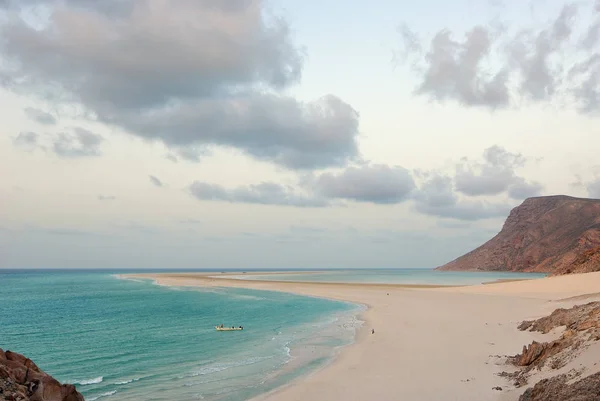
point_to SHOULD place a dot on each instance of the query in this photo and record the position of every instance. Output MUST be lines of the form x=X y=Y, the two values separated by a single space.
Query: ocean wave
x=107 y=394
x=207 y=370
x=95 y=380
x=128 y=381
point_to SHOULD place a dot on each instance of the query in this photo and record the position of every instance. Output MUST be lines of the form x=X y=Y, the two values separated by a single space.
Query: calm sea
x=133 y=340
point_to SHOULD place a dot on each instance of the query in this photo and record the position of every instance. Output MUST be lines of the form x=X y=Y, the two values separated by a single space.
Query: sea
x=131 y=339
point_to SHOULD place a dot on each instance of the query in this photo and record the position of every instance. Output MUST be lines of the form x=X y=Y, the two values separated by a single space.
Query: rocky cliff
x=22 y=380
x=543 y=234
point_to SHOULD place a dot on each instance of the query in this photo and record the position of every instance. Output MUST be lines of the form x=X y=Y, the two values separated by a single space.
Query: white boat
x=221 y=328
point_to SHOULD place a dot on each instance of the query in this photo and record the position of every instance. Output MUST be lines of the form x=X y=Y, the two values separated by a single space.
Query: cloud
x=445 y=195
x=495 y=175
x=436 y=197
x=370 y=183
x=453 y=224
x=266 y=193
x=79 y=143
x=171 y=157
x=39 y=116
x=192 y=154
x=375 y=184
x=437 y=193
x=106 y=198
x=155 y=181
x=454 y=71
x=191 y=74
x=496 y=68
x=521 y=189
x=593 y=188
x=26 y=140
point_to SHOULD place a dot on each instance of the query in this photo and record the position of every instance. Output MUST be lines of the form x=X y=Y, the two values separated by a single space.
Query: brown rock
x=21 y=379
x=587 y=261
x=578 y=318
x=582 y=324
x=557 y=389
x=543 y=234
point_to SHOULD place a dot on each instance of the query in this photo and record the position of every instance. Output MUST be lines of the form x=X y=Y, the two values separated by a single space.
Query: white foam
x=207 y=370
x=107 y=394
x=127 y=381
x=95 y=380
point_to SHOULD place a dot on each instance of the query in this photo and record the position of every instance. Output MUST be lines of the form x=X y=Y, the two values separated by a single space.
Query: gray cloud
x=155 y=181
x=189 y=153
x=521 y=189
x=593 y=188
x=436 y=197
x=172 y=158
x=487 y=66
x=39 y=116
x=437 y=194
x=454 y=71
x=266 y=193
x=187 y=73
x=106 y=198
x=453 y=224
x=369 y=183
x=79 y=143
x=495 y=175
x=376 y=184
x=26 y=140
x=529 y=54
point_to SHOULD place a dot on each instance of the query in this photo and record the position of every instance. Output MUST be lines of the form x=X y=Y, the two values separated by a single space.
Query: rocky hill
x=555 y=234
x=22 y=380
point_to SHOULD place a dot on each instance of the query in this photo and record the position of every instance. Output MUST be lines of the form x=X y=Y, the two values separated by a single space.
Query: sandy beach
x=446 y=343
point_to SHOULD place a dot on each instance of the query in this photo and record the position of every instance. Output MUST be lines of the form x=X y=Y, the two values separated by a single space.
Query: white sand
x=429 y=343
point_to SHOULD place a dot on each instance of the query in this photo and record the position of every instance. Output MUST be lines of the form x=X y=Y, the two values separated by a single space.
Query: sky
x=290 y=134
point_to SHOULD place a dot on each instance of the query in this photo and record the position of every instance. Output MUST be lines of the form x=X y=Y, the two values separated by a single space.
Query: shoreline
x=429 y=341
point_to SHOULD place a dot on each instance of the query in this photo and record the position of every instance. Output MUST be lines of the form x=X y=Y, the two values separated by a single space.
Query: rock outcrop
x=558 y=389
x=544 y=234
x=581 y=325
x=22 y=380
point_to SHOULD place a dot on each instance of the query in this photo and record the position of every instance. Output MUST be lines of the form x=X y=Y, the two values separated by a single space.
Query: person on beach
x=372 y=331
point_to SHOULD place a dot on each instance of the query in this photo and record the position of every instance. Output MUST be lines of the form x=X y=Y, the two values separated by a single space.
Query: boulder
x=22 y=380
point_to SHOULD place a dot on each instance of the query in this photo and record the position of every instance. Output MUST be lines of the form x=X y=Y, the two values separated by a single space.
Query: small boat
x=221 y=328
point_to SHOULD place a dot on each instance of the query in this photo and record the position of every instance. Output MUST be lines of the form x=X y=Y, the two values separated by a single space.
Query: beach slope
x=429 y=343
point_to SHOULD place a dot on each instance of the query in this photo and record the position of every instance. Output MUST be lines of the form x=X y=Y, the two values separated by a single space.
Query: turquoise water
x=133 y=340
x=396 y=276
